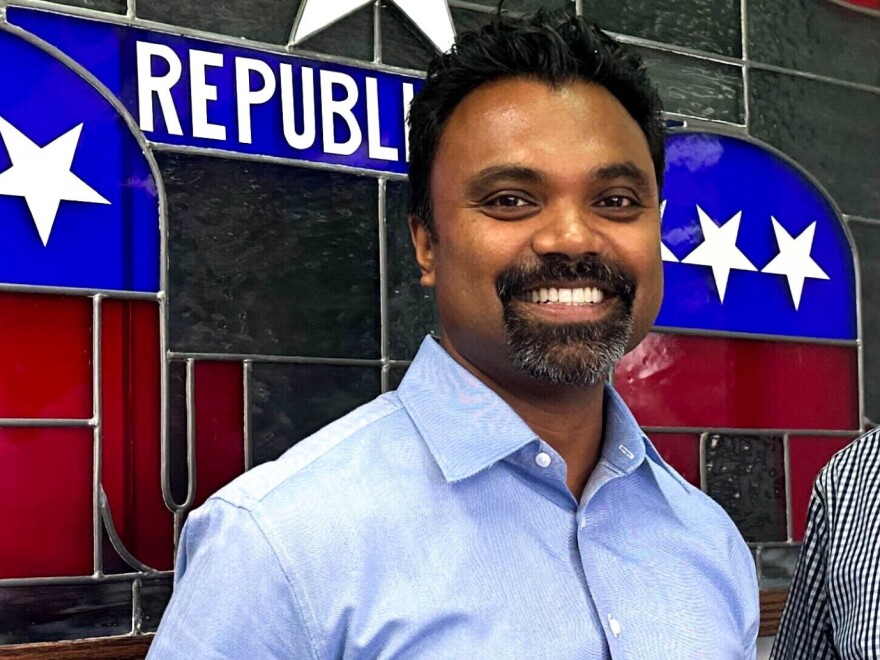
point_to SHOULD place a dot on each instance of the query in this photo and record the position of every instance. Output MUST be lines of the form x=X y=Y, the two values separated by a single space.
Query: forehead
x=559 y=130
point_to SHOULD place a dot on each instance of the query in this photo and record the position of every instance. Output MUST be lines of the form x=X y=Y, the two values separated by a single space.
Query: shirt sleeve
x=805 y=630
x=232 y=598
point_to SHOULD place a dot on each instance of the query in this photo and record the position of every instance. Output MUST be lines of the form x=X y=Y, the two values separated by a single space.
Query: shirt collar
x=466 y=426
x=469 y=428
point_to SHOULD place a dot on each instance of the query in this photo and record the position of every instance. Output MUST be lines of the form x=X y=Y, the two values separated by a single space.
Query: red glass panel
x=45 y=502
x=691 y=381
x=219 y=410
x=682 y=452
x=131 y=461
x=807 y=455
x=45 y=356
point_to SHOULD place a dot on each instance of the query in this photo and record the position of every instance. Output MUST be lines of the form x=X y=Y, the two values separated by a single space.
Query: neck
x=568 y=418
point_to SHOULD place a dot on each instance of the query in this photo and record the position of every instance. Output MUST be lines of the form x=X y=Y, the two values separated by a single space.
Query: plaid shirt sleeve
x=805 y=630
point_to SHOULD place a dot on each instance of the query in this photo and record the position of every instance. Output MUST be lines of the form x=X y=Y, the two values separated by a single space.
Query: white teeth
x=588 y=295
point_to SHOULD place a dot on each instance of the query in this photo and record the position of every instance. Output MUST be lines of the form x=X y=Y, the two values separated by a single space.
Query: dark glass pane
x=115 y=6
x=48 y=613
x=867 y=239
x=411 y=310
x=396 y=372
x=710 y=25
x=155 y=594
x=777 y=567
x=177 y=421
x=526 y=5
x=291 y=401
x=695 y=87
x=726 y=382
x=402 y=43
x=816 y=36
x=112 y=562
x=350 y=37
x=260 y=20
x=830 y=130
x=271 y=259
x=746 y=476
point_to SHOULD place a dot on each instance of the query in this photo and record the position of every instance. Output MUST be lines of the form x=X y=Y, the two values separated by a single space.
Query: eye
x=507 y=201
x=509 y=206
x=618 y=202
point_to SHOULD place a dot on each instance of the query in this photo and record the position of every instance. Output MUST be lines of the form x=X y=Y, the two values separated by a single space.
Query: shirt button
x=542 y=459
x=583 y=522
x=614 y=625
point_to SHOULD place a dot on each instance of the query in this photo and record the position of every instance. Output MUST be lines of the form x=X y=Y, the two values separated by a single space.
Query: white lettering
x=246 y=97
x=305 y=139
x=148 y=85
x=408 y=93
x=201 y=92
x=374 y=126
x=341 y=108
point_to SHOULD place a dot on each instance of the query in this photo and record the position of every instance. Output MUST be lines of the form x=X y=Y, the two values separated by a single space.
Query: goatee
x=574 y=354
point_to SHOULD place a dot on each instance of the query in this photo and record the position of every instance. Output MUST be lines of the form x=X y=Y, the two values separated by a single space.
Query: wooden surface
x=772 y=603
x=107 y=648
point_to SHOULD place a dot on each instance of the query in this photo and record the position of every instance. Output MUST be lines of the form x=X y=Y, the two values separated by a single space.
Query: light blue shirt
x=433 y=523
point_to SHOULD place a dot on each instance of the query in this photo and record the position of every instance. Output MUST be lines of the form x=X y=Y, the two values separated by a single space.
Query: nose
x=569 y=230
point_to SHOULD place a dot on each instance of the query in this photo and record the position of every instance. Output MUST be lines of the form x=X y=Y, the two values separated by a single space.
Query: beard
x=573 y=354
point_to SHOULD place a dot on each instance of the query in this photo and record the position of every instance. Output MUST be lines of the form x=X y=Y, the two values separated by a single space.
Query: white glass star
x=794 y=260
x=665 y=252
x=718 y=250
x=42 y=175
x=432 y=17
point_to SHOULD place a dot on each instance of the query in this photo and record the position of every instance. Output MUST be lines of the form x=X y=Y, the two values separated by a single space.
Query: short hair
x=551 y=47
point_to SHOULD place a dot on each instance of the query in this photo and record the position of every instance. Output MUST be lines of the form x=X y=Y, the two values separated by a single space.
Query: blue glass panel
x=250 y=101
x=713 y=180
x=93 y=221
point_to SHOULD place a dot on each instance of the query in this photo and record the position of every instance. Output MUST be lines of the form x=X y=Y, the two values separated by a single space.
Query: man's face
x=546 y=255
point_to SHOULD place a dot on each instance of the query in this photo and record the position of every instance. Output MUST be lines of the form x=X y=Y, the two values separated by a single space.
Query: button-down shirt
x=833 y=608
x=434 y=523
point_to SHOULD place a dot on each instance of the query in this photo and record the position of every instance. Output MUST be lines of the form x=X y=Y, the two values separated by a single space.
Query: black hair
x=552 y=47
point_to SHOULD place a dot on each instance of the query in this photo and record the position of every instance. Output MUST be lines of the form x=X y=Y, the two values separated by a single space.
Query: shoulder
x=855 y=467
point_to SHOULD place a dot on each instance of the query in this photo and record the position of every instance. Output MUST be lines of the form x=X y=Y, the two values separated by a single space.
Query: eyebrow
x=492 y=175
x=626 y=170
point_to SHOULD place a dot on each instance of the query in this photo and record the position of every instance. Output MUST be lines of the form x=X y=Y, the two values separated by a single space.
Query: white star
x=794 y=260
x=718 y=250
x=665 y=252
x=432 y=17
x=42 y=175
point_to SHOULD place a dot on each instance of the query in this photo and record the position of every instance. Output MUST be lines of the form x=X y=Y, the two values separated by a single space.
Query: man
x=503 y=503
x=833 y=608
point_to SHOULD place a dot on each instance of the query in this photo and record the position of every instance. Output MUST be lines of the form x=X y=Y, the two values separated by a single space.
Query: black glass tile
x=177 y=420
x=155 y=594
x=269 y=21
x=777 y=567
x=396 y=372
x=817 y=36
x=525 y=5
x=350 y=37
x=832 y=131
x=411 y=310
x=695 y=87
x=270 y=259
x=709 y=25
x=402 y=43
x=291 y=401
x=115 y=6
x=48 y=613
x=867 y=239
x=746 y=476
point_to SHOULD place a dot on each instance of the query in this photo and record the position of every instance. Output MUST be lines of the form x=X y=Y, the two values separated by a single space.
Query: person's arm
x=232 y=599
x=805 y=630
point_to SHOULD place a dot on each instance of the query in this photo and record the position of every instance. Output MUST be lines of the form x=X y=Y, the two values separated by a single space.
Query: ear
x=424 y=247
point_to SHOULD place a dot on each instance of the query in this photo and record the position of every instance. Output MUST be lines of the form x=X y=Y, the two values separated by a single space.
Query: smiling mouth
x=588 y=295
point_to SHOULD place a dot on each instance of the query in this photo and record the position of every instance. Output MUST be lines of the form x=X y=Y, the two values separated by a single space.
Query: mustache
x=553 y=267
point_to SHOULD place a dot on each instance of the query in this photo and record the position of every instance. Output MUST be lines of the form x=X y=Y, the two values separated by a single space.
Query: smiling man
x=503 y=503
